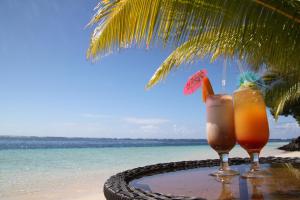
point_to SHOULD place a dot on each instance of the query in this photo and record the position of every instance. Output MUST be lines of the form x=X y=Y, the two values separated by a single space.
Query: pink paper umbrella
x=194 y=82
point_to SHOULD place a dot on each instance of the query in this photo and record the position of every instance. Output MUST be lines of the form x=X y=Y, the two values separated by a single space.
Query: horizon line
x=116 y=138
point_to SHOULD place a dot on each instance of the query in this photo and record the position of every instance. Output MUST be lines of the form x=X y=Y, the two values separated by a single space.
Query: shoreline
x=285 y=154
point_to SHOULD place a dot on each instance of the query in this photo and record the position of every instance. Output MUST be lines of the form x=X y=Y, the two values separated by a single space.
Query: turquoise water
x=30 y=173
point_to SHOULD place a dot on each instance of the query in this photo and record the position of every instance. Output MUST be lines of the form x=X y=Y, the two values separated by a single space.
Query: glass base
x=256 y=174
x=225 y=173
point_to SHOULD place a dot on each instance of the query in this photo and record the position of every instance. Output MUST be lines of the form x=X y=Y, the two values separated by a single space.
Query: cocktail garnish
x=250 y=79
x=194 y=82
x=206 y=89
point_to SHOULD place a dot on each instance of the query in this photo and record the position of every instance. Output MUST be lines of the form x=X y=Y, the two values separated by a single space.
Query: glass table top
x=283 y=182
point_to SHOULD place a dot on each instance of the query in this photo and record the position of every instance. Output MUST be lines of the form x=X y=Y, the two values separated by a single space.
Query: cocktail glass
x=251 y=126
x=220 y=130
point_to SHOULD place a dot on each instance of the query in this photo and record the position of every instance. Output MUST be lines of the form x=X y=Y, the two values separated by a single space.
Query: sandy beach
x=289 y=154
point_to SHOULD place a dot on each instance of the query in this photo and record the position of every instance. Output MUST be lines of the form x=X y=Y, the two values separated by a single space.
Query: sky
x=49 y=88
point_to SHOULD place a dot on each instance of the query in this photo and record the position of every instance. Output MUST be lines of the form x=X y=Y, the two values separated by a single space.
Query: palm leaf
x=283 y=92
x=263 y=33
x=228 y=45
x=195 y=48
x=125 y=22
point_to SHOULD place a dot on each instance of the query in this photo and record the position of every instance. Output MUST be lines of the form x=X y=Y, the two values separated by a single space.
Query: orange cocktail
x=251 y=123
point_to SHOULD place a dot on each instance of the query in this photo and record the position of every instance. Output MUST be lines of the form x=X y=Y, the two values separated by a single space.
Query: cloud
x=149 y=128
x=288 y=129
x=146 y=121
x=147 y=125
x=286 y=125
x=95 y=116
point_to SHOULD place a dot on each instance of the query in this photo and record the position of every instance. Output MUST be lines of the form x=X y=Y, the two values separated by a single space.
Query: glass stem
x=224 y=161
x=254 y=161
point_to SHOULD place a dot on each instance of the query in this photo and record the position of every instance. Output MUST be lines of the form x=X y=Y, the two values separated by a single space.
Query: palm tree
x=261 y=33
x=283 y=94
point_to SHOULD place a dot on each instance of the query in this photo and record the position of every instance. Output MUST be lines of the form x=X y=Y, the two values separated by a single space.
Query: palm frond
x=122 y=23
x=125 y=22
x=260 y=32
x=229 y=45
x=185 y=53
x=290 y=95
x=283 y=92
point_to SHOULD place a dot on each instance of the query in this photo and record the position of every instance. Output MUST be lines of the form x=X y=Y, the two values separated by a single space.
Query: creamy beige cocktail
x=220 y=119
x=220 y=129
x=220 y=123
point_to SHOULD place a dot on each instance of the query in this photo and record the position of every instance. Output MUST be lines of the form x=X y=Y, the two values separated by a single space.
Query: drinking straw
x=240 y=66
x=224 y=76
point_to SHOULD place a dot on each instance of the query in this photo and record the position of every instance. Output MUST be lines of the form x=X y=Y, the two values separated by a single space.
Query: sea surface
x=70 y=168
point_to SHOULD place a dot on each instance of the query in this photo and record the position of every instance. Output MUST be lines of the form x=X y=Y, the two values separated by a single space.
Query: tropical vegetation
x=282 y=94
x=262 y=34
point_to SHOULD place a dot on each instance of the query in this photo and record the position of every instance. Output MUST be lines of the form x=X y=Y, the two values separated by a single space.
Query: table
x=191 y=180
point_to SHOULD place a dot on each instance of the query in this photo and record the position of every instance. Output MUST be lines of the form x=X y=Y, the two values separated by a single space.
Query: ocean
x=61 y=142
x=76 y=168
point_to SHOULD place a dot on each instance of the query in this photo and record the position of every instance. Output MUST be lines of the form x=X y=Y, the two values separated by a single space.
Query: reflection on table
x=283 y=182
